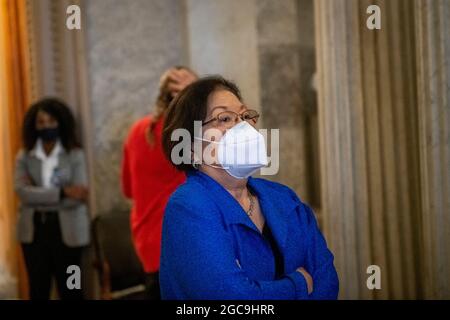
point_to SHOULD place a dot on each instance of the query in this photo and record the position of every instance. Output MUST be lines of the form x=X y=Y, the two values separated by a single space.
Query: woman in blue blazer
x=225 y=234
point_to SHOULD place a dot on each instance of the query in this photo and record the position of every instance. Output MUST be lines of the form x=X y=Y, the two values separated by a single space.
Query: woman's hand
x=180 y=79
x=308 y=278
x=76 y=192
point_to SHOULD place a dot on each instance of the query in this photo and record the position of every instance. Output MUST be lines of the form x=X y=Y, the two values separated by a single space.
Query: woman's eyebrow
x=243 y=106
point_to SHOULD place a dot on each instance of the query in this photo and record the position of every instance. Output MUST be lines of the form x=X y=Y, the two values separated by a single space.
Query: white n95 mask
x=241 y=151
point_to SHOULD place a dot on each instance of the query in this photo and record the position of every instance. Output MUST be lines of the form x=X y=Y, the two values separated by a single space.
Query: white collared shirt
x=49 y=162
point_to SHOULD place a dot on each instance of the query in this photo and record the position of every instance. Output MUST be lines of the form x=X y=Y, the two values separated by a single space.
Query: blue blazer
x=212 y=250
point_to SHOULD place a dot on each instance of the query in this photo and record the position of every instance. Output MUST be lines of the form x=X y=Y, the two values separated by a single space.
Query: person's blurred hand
x=76 y=192
x=180 y=79
x=308 y=278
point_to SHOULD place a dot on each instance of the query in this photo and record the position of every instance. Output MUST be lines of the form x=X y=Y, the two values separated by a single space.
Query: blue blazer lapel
x=276 y=207
x=233 y=212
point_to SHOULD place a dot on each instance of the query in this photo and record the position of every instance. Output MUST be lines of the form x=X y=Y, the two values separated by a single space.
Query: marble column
x=368 y=124
x=433 y=66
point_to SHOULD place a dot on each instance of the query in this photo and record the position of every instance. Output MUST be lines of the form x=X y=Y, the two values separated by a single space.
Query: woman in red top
x=149 y=179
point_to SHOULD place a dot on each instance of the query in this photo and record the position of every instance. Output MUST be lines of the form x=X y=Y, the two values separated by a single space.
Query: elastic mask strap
x=211 y=165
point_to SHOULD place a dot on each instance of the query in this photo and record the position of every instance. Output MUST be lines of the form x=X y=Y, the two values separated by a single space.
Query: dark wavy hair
x=58 y=110
x=191 y=105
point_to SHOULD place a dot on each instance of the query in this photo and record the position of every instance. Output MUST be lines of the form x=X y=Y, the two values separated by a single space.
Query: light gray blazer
x=73 y=215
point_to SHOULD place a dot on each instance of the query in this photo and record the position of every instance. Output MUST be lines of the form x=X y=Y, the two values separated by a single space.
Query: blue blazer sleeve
x=319 y=261
x=198 y=261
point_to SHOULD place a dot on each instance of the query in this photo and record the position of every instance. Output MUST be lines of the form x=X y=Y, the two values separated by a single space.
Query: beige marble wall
x=286 y=51
x=129 y=44
x=222 y=39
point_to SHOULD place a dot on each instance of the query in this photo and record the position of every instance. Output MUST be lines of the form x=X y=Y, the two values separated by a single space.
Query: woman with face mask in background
x=227 y=235
x=148 y=179
x=51 y=182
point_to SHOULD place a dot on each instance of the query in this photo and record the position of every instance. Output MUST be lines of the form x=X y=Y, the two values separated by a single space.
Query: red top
x=149 y=179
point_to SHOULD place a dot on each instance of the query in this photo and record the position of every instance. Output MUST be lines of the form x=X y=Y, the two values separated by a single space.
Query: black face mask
x=48 y=134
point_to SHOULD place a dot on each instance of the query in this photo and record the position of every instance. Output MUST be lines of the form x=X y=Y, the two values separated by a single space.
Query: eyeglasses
x=228 y=119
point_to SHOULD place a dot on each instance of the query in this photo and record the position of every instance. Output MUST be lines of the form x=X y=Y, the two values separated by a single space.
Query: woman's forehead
x=220 y=96
x=223 y=100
